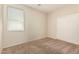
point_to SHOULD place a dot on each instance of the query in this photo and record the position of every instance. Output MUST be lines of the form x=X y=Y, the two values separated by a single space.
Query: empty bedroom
x=39 y=28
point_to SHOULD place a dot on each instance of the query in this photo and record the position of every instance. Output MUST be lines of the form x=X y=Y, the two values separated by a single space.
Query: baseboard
x=52 y=37
x=38 y=38
x=63 y=40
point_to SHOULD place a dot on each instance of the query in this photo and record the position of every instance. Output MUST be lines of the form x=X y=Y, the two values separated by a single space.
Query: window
x=15 y=19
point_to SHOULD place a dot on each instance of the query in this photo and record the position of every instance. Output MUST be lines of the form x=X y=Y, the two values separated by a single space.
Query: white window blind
x=15 y=19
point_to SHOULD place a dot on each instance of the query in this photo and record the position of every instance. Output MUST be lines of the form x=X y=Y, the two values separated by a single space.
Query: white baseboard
x=38 y=38
x=24 y=42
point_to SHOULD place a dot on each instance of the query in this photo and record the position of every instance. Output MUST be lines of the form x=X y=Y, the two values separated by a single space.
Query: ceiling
x=47 y=8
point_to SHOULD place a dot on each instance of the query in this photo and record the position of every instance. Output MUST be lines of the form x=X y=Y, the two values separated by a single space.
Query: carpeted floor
x=43 y=46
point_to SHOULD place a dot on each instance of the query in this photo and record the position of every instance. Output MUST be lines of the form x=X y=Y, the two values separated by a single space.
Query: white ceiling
x=46 y=7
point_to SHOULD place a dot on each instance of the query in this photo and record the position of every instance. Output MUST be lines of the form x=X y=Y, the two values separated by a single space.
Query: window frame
x=20 y=9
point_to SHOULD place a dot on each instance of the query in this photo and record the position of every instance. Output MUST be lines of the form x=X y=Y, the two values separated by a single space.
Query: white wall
x=37 y=25
x=0 y=28
x=34 y=27
x=55 y=26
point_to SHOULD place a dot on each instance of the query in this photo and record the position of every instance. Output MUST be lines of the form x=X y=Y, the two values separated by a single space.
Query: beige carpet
x=43 y=46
